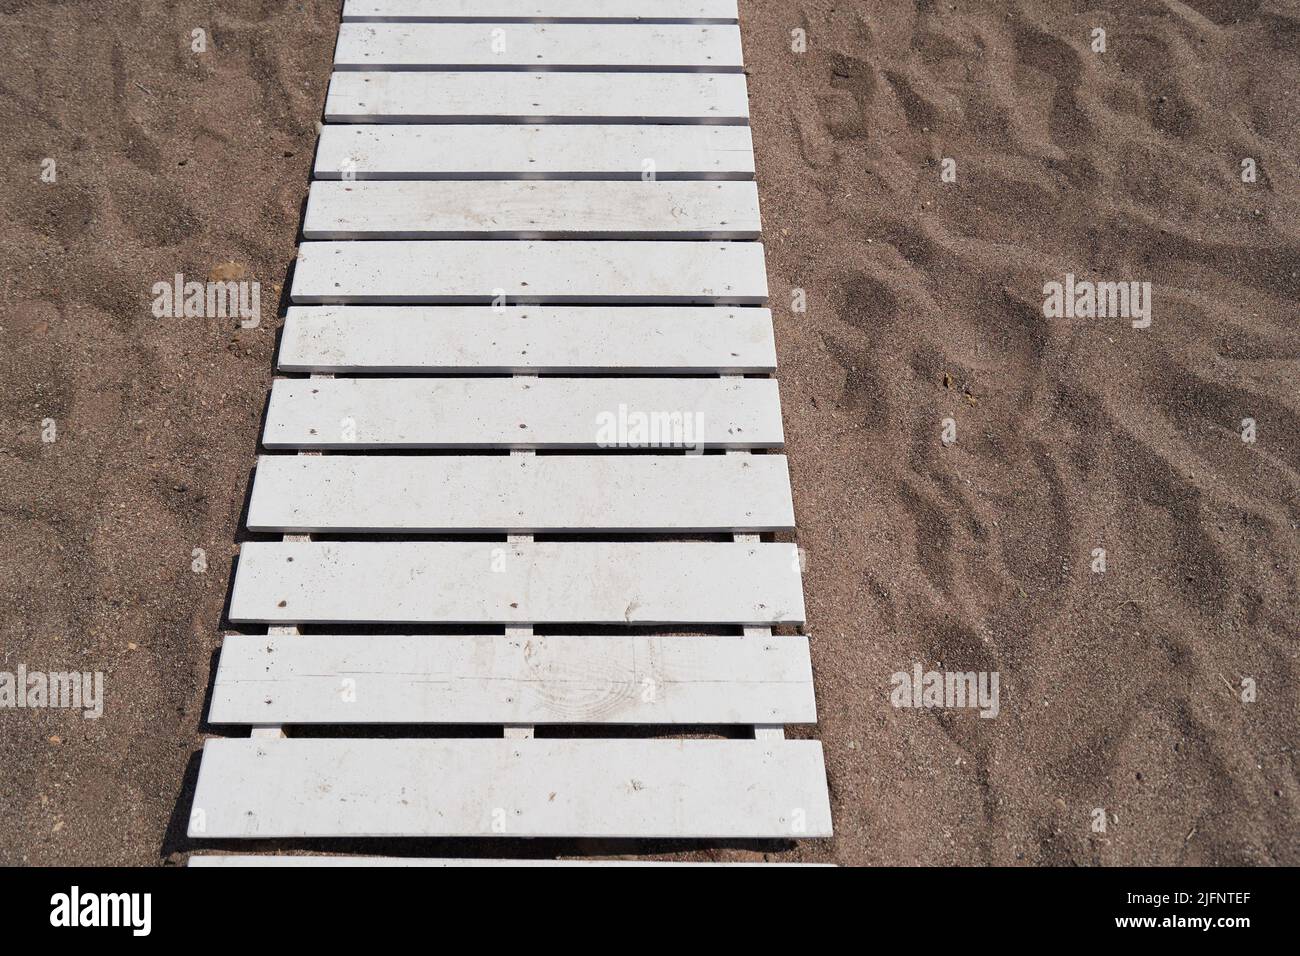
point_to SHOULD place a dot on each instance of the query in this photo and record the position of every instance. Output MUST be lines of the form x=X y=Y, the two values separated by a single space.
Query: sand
x=1120 y=691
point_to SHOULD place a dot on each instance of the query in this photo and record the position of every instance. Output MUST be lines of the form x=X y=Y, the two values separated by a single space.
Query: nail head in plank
x=523 y=339
x=497 y=494
x=506 y=97
x=493 y=679
x=611 y=47
x=576 y=413
x=542 y=11
x=539 y=788
x=592 y=272
x=511 y=209
x=484 y=151
x=664 y=583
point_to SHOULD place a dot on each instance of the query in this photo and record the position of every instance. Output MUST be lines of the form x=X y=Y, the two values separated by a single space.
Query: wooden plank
x=515 y=97
x=505 y=209
x=610 y=47
x=462 y=582
x=571 y=413
x=541 y=11
x=498 y=494
x=486 y=679
x=532 y=788
x=523 y=339
x=244 y=860
x=481 y=151
x=630 y=272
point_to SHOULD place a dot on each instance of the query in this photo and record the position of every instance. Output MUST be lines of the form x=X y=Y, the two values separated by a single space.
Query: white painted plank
x=463 y=582
x=504 y=788
x=481 y=151
x=543 y=11
x=245 y=860
x=523 y=339
x=501 y=494
x=578 y=413
x=516 y=97
x=505 y=209
x=486 y=679
x=630 y=272
x=612 y=47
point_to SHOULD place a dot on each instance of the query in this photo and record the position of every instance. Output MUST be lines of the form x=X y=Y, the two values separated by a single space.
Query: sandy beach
x=960 y=458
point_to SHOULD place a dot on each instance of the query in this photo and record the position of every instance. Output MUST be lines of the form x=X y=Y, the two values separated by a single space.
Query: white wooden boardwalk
x=523 y=466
